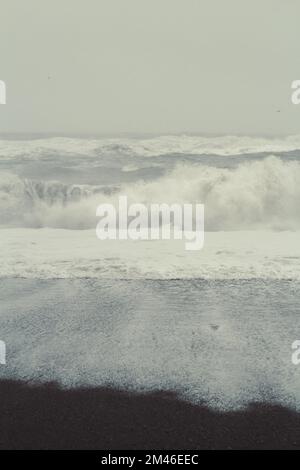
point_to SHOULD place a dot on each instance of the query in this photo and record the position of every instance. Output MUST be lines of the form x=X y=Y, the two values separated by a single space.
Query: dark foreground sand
x=47 y=417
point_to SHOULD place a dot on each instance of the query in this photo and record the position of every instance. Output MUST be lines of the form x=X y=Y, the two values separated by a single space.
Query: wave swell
x=262 y=194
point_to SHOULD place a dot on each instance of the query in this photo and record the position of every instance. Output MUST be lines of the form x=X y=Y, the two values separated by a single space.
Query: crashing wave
x=262 y=194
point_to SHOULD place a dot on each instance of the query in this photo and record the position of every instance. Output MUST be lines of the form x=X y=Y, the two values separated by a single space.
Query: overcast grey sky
x=157 y=66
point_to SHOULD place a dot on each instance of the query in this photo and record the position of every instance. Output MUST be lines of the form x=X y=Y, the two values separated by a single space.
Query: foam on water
x=223 y=343
x=215 y=326
x=261 y=194
x=59 y=254
x=154 y=146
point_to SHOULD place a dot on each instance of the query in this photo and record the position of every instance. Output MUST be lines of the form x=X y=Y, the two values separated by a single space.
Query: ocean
x=214 y=326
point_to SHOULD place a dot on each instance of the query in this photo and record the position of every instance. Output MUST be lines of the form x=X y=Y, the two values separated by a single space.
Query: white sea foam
x=224 y=344
x=263 y=194
x=154 y=146
x=56 y=253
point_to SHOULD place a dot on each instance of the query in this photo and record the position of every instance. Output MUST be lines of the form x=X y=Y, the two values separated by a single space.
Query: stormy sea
x=141 y=344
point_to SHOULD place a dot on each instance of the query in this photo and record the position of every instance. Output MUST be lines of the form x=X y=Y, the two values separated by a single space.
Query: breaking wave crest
x=255 y=195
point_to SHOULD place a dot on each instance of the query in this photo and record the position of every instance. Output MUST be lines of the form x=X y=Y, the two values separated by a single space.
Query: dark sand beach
x=123 y=365
x=47 y=417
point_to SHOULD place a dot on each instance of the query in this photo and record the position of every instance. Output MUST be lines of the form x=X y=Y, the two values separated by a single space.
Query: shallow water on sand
x=223 y=343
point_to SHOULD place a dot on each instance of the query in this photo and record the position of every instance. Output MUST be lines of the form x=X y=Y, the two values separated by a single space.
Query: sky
x=150 y=66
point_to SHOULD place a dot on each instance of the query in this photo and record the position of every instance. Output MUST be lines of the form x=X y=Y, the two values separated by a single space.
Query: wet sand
x=48 y=417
